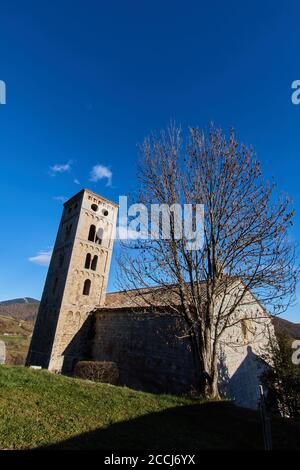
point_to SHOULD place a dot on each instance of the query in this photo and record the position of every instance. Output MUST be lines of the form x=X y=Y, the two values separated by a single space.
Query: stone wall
x=241 y=349
x=146 y=350
x=151 y=356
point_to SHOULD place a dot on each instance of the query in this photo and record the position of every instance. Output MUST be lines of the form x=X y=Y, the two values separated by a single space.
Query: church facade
x=78 y=320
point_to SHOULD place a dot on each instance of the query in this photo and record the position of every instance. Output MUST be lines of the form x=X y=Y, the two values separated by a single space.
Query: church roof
x=145 y=298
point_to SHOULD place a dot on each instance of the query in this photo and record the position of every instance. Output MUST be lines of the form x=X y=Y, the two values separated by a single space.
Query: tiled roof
x=142 y=298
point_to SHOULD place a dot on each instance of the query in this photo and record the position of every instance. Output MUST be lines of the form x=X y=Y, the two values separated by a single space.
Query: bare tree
x=245 y=239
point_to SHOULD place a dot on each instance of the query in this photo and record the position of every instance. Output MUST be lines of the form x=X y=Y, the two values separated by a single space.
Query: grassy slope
x=16 y=345
x=20 y=311
x=40 y=409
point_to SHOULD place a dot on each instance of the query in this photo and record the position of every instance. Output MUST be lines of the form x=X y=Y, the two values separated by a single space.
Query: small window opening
x=55 y=285
x=92 y=233
x=94 y=207
x=68 y=232
x=86 y=287
x=61 y=260
x=94 y=263
x=99 y=236
x=87 y=261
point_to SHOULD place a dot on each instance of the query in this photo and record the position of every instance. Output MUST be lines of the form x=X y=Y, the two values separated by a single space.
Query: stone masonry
x=76 y=280
x=151 y=355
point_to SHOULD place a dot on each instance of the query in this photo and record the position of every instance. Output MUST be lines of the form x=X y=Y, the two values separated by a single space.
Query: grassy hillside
x=16 y=334
x=21 y=309
x=39 y=409
x=17 y=318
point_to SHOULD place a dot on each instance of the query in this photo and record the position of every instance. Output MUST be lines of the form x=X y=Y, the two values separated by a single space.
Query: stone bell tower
x=76 y=281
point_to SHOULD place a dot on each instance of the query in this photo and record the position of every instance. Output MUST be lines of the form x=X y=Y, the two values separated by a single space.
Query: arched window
x=86 y=287
x=87 y=261
x=55 y=285
x=99 y=236
x=92 y=233
x=61 y=260
x=94 y=263
x=68 y=232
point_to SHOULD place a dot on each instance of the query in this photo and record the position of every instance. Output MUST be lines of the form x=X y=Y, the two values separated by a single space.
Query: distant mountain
x=284 y=326
x=21 y=300
x=24 y=308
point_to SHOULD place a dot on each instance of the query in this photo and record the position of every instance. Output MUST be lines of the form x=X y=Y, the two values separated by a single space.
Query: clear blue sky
x=87 y=80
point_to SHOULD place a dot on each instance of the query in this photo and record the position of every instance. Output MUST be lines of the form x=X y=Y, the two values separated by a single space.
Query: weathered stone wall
x=241 y=349
x=151 y=356
x=146 y=350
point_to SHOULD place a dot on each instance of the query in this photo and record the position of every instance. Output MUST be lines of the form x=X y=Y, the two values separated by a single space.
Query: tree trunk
x=211 y=372
x=214 y=388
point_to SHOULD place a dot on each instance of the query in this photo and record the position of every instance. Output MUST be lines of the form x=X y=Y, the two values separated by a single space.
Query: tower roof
x=104 y=199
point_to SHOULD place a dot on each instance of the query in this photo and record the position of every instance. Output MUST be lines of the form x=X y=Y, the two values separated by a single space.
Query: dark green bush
x=98 y=371
x=282 y=380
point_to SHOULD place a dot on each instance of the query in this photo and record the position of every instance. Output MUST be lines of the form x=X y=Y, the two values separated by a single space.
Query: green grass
x=15 y=342
x=16 y=348
x=39 y=409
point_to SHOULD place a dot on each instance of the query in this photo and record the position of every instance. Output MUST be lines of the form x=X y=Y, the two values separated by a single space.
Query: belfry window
x=94 y=263
x=92 y=233
x=87 y=261
x=99 y=236
x=86 y=287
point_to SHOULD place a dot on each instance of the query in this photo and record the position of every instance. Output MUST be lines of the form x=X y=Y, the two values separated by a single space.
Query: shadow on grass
x=214 y=425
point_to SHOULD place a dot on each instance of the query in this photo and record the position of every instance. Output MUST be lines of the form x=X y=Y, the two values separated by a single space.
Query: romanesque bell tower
x=76 y=281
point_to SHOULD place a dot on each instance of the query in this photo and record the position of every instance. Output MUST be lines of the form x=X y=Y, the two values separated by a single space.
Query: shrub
x=283 y=379
x=98 y=371
x=15 y=359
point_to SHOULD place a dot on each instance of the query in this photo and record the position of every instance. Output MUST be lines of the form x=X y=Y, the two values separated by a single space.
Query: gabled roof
x=155 y=297
x=146 y=297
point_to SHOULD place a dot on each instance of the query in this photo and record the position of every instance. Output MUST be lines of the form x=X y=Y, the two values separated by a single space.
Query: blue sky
x=87 y=80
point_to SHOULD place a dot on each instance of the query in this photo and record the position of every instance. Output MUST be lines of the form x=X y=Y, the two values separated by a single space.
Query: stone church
x=78 y=320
